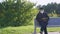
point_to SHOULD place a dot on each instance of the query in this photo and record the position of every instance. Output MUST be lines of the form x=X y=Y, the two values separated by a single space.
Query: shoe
x=40 y=32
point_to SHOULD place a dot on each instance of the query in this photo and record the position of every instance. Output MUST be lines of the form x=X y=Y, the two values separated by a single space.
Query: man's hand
x=44 y=19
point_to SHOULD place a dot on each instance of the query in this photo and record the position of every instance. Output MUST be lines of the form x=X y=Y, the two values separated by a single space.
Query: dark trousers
x=43 y=28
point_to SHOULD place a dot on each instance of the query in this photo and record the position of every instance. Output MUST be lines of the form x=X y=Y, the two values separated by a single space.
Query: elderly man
x=42 y=19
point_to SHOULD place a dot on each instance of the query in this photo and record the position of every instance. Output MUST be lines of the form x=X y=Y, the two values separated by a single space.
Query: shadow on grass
x=4 y=26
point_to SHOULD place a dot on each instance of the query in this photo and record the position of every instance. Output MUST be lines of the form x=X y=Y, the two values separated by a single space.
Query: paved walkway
x=52 y=33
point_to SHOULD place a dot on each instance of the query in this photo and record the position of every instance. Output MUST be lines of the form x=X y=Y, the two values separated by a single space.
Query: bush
x=16 y=13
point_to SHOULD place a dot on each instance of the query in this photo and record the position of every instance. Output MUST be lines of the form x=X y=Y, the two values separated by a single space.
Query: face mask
x=42 y=11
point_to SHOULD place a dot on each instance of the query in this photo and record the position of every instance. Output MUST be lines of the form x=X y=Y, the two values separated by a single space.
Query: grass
x=24 y=30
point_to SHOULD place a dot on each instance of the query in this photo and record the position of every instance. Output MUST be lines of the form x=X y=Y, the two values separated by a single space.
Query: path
x=52 y=33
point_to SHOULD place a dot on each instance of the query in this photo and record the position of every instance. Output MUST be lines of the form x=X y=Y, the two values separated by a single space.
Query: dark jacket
x=40 y=16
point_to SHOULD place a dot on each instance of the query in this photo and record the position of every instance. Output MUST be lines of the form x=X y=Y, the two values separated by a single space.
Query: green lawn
x=24 y=30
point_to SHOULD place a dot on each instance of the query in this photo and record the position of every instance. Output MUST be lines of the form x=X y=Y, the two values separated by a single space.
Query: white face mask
x=42 y=11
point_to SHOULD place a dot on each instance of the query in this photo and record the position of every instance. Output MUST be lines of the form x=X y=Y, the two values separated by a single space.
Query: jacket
x=42 y=17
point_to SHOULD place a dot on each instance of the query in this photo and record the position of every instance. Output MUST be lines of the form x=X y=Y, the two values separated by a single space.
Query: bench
x=53 y=22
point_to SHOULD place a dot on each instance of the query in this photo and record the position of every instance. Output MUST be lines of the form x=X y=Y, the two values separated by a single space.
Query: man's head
x=41 y=10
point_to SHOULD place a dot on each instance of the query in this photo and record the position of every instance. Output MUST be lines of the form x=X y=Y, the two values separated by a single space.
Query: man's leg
x=45 y=30
x=41 y=30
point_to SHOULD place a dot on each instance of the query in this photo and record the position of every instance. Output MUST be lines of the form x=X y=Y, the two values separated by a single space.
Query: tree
x=16 y=13
x=50 y=7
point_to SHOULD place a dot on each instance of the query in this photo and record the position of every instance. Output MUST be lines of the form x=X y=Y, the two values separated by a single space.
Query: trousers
x=43 y=28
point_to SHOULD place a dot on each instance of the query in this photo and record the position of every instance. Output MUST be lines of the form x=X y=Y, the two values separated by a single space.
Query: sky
x=44 y=2
x=0 y=0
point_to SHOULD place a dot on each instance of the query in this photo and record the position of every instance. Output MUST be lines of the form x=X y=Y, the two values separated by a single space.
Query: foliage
x=16 y=12
x=51 y=7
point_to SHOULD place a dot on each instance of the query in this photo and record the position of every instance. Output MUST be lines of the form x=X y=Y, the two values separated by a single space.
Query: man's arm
x=38 y=17
x=47 y=17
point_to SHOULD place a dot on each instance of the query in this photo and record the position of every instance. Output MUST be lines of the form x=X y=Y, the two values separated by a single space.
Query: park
x=18 y=17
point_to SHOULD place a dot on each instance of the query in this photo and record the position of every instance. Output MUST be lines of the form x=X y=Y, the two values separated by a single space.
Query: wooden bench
x=53 y=22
